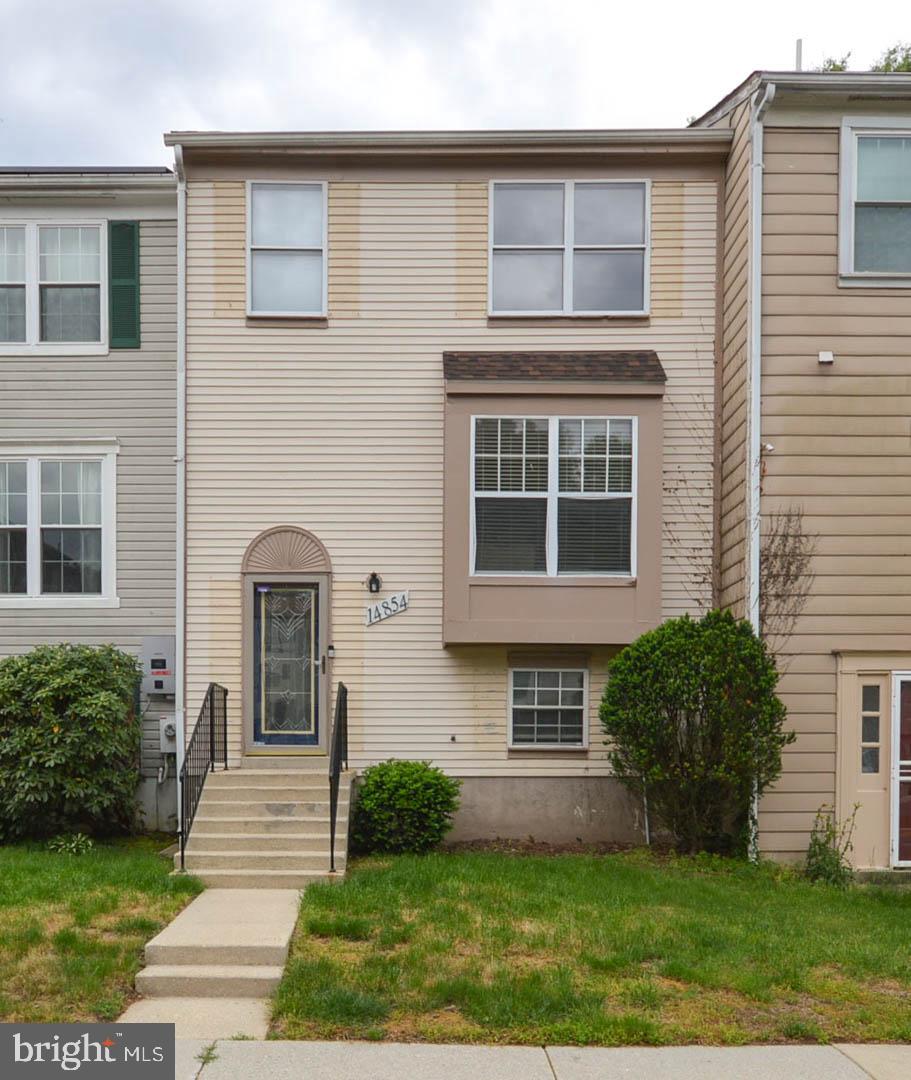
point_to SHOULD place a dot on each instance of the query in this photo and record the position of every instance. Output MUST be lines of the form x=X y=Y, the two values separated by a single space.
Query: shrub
x=71 y=844
x=830 y=845
x=69 y=742
x=403 y=806
x=692 y=718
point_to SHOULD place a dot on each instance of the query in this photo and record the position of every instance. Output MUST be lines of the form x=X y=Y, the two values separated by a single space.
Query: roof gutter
x=714 y=140
x=180 y=459
x=761 y=102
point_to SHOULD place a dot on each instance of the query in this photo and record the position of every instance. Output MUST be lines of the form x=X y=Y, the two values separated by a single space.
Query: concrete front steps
x=266 y=825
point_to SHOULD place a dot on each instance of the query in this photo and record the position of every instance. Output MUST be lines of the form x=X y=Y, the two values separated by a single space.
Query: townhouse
x=815 y=408
x=474 y=372
x=87 y=428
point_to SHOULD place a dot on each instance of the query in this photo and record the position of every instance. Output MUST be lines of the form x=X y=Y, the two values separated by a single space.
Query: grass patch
x=72 y=928
x=606 y=950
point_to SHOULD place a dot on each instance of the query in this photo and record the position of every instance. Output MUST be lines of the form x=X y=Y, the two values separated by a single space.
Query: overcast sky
x=98 y=81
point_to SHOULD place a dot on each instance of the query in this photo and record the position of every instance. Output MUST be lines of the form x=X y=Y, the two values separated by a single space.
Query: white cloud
x=97 y=82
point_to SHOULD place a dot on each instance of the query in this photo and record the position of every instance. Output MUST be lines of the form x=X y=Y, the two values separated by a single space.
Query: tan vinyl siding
x=128 y=395
x=339 y=430
x=734 y=376
x=841 y=452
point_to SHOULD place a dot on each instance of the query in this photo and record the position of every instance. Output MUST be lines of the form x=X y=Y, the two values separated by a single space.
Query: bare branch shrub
x=786 y=577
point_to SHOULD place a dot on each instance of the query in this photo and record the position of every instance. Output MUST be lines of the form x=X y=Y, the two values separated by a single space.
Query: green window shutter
x=123 y=283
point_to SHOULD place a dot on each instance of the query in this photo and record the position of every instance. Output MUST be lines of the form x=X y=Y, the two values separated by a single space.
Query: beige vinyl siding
x=842 y=452
x=339 y=430
x=128 y=394
x=734 y=376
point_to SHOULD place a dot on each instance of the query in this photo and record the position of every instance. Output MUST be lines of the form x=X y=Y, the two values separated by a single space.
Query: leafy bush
x=71 y=844
x=69 y=741
x=403 y=806
x=692 y=718
x=830 y=845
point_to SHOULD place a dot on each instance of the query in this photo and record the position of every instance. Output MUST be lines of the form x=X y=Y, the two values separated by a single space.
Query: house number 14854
x=385 y=609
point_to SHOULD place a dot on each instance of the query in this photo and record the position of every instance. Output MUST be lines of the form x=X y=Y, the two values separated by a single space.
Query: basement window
x=547 y=708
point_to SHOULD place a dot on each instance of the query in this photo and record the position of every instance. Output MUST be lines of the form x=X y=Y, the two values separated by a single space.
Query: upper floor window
x=875 y=218
x=286 y=249
x=52 y=285
x=569 y=248
x=57 y=545
x=553 y=496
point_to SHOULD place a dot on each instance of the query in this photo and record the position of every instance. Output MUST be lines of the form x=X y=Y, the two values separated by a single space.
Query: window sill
x=542 y=749
x=628 y=318
x=76 y=349
x=865 y=281
x=569 y=580
x=286 y=321
x=61 y=602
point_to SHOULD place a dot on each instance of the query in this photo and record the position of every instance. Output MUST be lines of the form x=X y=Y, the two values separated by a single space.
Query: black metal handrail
x=208 y=744
x=338 y=759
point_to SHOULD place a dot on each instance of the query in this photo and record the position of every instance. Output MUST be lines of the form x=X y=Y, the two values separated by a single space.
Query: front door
x=901 y=771
x=286 y=675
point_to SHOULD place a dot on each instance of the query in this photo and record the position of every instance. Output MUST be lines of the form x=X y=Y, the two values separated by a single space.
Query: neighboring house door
x=901 y=770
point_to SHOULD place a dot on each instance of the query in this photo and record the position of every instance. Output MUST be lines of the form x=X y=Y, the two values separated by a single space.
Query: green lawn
x=613 y=949
x=72 y=927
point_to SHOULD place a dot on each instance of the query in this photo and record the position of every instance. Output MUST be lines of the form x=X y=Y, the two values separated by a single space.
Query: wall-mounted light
x=374 y=582
x=330 y=651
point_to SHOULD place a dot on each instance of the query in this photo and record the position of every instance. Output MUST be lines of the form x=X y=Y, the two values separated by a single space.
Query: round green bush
x=692 y=718
x=69 y=742
x=403 y=806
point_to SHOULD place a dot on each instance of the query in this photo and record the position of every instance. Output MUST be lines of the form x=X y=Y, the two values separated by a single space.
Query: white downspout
x=761 y=103
x=180 y=459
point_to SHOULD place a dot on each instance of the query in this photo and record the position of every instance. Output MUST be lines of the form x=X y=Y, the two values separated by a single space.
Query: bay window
x=553 y=496
x=569 y=248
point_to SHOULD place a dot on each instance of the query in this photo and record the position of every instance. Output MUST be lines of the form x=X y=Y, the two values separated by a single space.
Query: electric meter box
x=167 y=734
x=157 y=660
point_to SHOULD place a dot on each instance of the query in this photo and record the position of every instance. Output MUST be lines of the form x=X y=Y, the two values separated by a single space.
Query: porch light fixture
x=330 y=651
x=374 y=582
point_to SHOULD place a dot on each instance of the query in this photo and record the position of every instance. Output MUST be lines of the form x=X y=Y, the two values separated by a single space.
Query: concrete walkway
x=274 y=1060
x=212 y=970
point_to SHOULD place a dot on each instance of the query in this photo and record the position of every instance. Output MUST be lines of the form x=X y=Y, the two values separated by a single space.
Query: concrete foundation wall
x=158 y=805
x=550 y=809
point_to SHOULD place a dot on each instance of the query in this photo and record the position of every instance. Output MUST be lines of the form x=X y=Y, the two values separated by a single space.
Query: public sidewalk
x=275 y=1060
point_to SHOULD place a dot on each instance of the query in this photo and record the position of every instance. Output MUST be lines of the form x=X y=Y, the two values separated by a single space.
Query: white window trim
x=32 y=345
x=898 y=677
x=103 y=450
x=323 y=249
x=586 y=720
x=567 y=247
x=552 y=495
x=852 y=128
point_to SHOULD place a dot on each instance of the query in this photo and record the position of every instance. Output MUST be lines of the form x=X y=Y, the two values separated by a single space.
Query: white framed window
x=548 y=708
x=287 y=248
x=553 y=496
x=569 y=247
x=53 y=287
x=875 y=202
x=57 y=525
